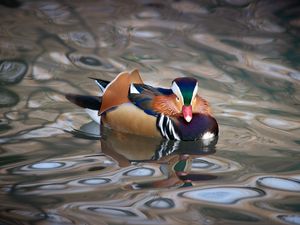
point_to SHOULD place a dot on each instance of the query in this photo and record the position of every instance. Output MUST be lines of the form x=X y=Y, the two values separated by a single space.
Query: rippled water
x=56 y=170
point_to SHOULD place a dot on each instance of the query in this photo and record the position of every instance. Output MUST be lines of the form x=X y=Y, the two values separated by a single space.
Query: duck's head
x=185 y=90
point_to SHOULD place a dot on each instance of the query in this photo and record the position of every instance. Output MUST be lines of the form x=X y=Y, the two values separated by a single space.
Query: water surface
x=56 y=170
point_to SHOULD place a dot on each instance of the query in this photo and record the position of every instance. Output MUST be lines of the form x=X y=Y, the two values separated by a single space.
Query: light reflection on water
x=56 y=171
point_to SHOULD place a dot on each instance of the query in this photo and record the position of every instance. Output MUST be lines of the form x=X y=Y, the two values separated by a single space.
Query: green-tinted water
x=55 y=170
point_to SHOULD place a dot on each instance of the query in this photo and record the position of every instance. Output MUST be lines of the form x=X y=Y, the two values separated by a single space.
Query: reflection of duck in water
x=173 y=157
x=126 y=148
x=130 y=106
x=176 y=169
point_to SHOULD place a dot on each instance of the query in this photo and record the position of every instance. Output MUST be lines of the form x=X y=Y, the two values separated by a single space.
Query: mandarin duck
x=128 y=105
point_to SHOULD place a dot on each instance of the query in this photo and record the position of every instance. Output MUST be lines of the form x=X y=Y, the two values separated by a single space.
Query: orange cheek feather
x=201 y=106
x=167 y=105
x=170 y=107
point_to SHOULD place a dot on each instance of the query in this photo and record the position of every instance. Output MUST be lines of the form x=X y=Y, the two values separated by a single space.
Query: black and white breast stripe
x=166 y=127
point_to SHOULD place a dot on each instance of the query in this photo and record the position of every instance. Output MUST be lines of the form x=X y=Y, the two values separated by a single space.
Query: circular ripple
x=203 y=164
x=279 y=123
x=292 y=219
x=284 y=184
x=146 y=34
x=90 y=62
x=223 y=195
x=95 y=181
x=214 y=164
x=12 y=72
x=87 y=60
x=160 y=203
x=140 y=172
x=47 y=165
x=95 y=211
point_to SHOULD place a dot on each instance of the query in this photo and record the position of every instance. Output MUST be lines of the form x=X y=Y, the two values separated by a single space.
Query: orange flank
x=128 y=118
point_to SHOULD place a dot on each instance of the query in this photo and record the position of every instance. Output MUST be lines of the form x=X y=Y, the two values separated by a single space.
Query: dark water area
x=55 y=168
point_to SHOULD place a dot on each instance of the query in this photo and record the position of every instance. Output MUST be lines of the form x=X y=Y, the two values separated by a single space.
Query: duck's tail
x=102 y=84
x=85 y=101
x=91 y=104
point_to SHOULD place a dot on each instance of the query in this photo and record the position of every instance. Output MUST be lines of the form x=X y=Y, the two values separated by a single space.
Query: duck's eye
x=177 y=99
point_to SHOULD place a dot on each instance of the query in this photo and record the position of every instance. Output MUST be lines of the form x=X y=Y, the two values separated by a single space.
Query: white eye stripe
x=176 y=91
x=195 y=92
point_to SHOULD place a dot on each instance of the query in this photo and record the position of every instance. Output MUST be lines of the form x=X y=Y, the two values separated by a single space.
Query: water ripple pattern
x=280 y=183
x=223 y=195
x=59 y=167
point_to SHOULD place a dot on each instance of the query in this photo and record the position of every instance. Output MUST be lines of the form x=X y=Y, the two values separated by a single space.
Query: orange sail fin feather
x=116 y=92
x=130 y=106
